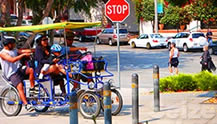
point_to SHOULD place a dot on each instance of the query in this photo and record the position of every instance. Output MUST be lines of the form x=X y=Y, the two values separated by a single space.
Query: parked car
x=188 y=40
x=26 y=22
x=87 y=34
x=14 y=19
x=58 y=32
x=148 y=41
x=213 y=48
x=109 y=35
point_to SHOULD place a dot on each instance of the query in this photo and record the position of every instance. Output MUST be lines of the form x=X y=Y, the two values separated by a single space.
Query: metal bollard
x=156 y=88
x=107 y=103
x=73 y=108
x=135 y=99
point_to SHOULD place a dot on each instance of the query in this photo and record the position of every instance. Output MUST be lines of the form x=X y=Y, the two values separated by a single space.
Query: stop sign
x=117 y=10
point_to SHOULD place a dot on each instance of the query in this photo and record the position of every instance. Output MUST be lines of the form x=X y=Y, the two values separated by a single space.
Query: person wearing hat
x=173 y=58
x=69 y=47
x=13 y=70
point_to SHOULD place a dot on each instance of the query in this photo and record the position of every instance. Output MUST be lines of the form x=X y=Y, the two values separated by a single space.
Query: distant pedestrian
x=206 y=61
x=209 y=36
x=173 y=59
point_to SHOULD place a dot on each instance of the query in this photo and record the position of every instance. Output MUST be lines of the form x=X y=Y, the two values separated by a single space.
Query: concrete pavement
x=176 y=108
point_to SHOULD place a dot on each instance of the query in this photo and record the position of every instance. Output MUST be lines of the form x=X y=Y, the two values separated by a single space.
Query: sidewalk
x=176 y=108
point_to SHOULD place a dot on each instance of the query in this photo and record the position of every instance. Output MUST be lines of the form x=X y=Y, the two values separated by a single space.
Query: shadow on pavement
x=146 y=121
x=208 y=94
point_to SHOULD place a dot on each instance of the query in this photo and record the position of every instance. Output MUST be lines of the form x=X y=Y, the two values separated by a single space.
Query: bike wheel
x=44 y=96
x=117 y=102
x=10 y=95
x=89 y=105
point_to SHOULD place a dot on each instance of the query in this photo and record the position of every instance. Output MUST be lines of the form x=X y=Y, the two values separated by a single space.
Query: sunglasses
x=45 y=39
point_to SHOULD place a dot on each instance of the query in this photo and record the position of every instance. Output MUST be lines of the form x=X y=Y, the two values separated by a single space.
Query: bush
x=189 y=82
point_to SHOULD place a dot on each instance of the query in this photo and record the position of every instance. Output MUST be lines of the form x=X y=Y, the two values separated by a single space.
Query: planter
x=161 y=26
x=182 y=27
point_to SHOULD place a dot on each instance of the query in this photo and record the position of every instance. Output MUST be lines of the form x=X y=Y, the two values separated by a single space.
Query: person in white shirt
x=173 y=59
x=13 y=70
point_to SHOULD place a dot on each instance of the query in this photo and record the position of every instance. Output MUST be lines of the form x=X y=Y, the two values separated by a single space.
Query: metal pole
x=107 y=103
x=135 y=99
x=118 y=56
x=156 y=88
x=73 y=108
x=156 y=18
x=94 y=45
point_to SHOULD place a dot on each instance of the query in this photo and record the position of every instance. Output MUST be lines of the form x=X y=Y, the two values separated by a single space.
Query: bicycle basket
x=99 y=64
x=87 y=63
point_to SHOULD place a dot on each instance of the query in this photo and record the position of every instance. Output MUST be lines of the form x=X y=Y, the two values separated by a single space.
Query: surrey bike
x=90 y=101
x=11 y=104
x=94 y=69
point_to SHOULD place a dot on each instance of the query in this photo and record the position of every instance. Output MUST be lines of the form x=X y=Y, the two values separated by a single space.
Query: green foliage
x=204 y=10
x=189 y=82
x=175 y=15
x=37 y=7
x=144 y=10
x=171 y=16
x=61 y=6
x=177 y=2
x=206 y=81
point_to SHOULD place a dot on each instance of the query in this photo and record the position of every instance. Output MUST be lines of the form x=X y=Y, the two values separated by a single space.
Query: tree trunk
x=20 y=11
x=5 y=11
x=47 y=9
x=29 y=42
x=46 y=13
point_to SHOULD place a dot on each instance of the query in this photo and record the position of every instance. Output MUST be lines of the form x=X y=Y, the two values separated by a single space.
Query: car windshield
x=197 y=35
x=109 y=31
x=123 y=31
x=156 y=36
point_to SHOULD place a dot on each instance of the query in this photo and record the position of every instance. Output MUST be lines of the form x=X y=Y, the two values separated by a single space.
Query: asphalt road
x=141 y=61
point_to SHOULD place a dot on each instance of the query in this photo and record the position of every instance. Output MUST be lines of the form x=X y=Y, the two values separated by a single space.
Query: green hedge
x=189 y=82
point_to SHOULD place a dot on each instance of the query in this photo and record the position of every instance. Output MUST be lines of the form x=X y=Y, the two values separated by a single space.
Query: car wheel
x=110 y=42
x=211 y=51
x=148 y=46
x=133 y=45
x=185 y=48
x=98 y=41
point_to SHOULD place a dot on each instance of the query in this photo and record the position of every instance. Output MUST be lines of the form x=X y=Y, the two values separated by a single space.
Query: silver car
x=109 y=35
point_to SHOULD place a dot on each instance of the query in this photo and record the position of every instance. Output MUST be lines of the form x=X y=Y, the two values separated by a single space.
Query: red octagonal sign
x=117 y=10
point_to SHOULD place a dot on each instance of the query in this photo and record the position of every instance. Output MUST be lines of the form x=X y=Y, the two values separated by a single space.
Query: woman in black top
x=42 y=55
x=205 y=59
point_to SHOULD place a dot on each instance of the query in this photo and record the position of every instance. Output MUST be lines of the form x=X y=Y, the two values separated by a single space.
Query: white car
x=26 y=22
x=188 y=40
x=148 y=41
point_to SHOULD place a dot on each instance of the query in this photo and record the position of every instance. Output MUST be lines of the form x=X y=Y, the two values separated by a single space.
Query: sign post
x=117 y=11
x=47 y=20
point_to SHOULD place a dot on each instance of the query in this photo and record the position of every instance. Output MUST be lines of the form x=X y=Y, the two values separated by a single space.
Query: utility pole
x=156 y=19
